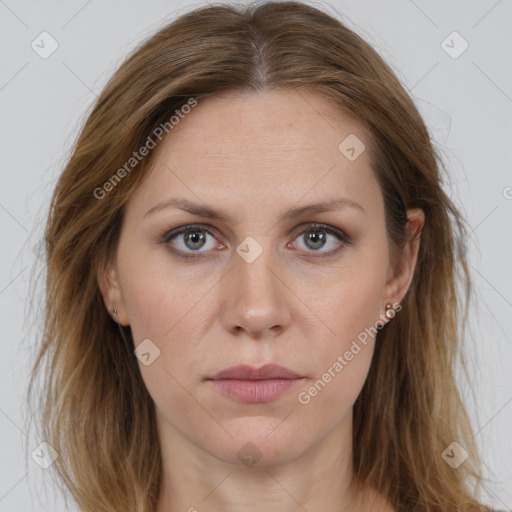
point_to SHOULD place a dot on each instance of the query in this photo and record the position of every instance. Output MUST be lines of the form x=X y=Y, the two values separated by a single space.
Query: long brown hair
x=96 y=411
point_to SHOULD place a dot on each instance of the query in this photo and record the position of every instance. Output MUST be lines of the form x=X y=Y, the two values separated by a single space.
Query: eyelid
x=310 y=226
x=173 y=232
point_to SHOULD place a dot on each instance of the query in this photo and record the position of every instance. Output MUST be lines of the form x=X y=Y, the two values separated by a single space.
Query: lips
x=246 y=372
x=247 y=384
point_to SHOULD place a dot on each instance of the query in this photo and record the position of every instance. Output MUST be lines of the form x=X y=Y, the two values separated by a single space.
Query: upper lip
x=247 y=372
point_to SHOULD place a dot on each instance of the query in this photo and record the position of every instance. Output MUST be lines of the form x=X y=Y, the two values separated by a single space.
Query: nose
x=256 y=298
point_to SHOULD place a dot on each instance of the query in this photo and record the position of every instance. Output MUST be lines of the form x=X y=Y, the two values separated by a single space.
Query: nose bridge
x=253 y=269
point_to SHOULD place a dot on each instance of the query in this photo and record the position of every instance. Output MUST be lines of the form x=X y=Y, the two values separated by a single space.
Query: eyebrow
x=203 y=210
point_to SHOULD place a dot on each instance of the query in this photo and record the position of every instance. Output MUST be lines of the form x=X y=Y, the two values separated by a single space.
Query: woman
x=251 y=285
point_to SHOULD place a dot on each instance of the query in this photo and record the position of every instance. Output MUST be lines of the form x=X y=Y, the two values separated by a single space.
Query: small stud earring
x=114 y=312
x=390 y=312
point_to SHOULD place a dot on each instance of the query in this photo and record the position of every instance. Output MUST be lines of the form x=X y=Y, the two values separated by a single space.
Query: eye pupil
x=196 y=237
x=317 y=237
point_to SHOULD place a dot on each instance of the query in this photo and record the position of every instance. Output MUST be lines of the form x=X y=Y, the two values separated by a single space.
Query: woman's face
x=269 y=281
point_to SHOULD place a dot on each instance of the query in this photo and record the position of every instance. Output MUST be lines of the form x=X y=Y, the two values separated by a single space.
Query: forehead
x=277 y=121
x=279 y=145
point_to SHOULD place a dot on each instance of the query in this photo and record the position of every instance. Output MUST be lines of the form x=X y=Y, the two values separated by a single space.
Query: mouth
x=248 y=384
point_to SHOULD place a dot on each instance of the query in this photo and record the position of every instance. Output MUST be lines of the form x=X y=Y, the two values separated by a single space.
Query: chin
x=258 y=443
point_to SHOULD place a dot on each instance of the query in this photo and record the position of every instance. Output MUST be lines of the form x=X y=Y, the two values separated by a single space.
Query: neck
x=318 y=479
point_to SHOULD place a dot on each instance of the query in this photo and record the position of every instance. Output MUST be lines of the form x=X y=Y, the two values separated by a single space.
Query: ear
x=400 y=275
x=107 y=277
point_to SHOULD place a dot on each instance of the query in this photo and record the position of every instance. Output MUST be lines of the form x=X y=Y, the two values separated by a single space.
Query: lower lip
x=254 y=391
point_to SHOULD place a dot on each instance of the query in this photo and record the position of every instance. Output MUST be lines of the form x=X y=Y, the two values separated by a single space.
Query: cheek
x=149 y=310
x=354 y=303
x=155 y=296
x=345 y=360
x=351 y=309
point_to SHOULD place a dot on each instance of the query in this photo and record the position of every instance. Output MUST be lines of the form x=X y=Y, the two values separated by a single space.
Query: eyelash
x=342 y=237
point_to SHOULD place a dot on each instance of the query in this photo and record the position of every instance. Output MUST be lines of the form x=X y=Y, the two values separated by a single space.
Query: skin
x=257 y=156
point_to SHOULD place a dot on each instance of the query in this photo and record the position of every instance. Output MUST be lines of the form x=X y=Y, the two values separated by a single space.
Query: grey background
x=467 y=102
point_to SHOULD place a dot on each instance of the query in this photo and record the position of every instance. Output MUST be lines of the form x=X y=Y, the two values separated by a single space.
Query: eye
x=189 y=239
x=321 y=238
x=183 y=242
